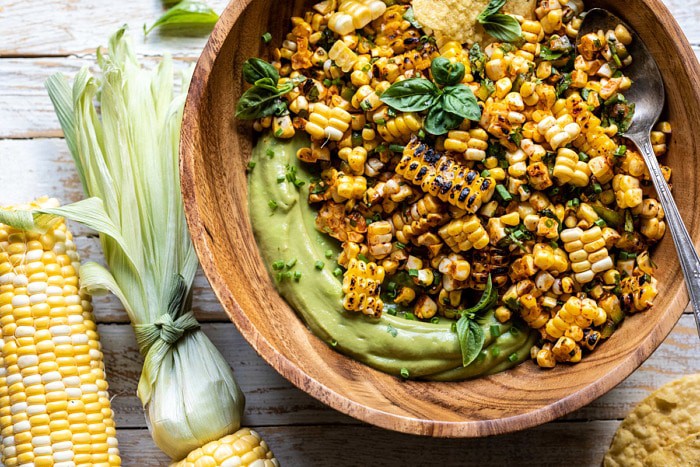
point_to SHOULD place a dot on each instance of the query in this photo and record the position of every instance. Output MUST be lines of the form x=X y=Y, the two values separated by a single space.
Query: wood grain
x=78 y=27
x=214 y=152
x=555 y=444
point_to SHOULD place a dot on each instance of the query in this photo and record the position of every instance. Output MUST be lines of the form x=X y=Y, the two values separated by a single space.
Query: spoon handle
x=690 y=263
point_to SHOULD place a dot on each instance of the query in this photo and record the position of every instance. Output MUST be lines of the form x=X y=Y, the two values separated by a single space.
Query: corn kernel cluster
x=542 y=194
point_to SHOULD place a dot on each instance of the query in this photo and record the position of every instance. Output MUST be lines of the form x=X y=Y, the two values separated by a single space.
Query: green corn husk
x=127 y=158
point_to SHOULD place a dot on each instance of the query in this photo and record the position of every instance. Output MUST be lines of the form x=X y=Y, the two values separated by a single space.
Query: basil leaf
x=438 y=121
x=267 y=83
x=471 y=339
x=460 y=100
x=488 y=299
x=411 y=18
x=259 y=102
x=445 y=72
x=550 y=55
x=503 y=27
x=477 y=60
x=491 y=9
x=255 y=69
x=563 y=84
x=410 y=95
x=186 y=18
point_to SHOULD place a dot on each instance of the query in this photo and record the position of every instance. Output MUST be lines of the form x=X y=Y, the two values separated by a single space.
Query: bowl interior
x=215 y=149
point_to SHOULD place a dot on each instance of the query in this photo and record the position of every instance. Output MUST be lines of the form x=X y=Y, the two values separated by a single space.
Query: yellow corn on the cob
x=361 y=285
x=243 y=448
x=490 y=260
x=54 y=405
x=441 y=176
x=464 y=234
x=355 y=14
x=419 y=218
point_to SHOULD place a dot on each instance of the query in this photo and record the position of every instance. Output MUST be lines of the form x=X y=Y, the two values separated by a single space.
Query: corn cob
x=327 y=123
x=361 y=285
x=379 y=235
x=441 y=176
x=638 y=292
x=355 y=14
x=400 y=128
x=243 y=448
x=419 y=218
x=54 y=405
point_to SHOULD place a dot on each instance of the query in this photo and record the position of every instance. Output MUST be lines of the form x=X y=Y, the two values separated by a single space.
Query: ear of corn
x=243 y=448
x=54 y=405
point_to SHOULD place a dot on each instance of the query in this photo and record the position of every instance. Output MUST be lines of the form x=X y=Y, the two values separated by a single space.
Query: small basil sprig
x=447 y=107
x=186 y=18
x=469 y=333
x=503 y=27
x=410 y=16
x=265 y=97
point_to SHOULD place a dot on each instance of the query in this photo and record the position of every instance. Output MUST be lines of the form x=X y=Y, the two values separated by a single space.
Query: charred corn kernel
x=343 y=57
x=282 y=127
x=601 y=168
x=489 y=261
x=244 y=447
x=355 y=157
x=545 y=357
x=502 y=314
x=441 y=176
x=638 y=293
x=361 y=286
x=379 y=236
x=565 y=348
x=531 y=311
x=523 y=268
x=400 y=128
x=366 y=99
x=327 y=123
x=652 y=225
x=54 y=405
x=421 y=216
x=569 y=169
x=538 y=176
x=351 y=186
x=559 y=132
x=628 y=193
x=495 y=69
x=456 y=269
x=547 y=228
x=464 y=234
x=425 y=307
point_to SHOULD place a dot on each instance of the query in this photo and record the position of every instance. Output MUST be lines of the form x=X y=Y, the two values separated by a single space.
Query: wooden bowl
x=215 y=149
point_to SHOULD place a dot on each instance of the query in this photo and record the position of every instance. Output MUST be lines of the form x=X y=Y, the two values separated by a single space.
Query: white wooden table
x=41 y=37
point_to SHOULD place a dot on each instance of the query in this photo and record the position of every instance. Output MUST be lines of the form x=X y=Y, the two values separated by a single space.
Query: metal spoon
x=647 y=94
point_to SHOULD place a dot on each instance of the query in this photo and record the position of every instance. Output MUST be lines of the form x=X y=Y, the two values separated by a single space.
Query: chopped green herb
x=409 y=316
x=504 y=194
x=319 y=264
x=251 y=165
x=404 y=373
x=328 y=254
x=363 y=258
x=273 y=204
x=597 y=188
x=270 y=153
x=583 y=157
x=279 y=132
x=399 y=245
x=278 y=265
x=267 y=38
x=514 y=330
x=573 y=203
x=435 y=319
x=413 y=272
x=600 y=223
x=392 y=330
x=380 y=121
x=297 y=275
x=290 y=264
x=485 y=173
x=513 y=357
x=396 y=148
x=391 y=287
x=334 y=343
x=495 y=330
x=620 y=151
x=337 y=272
x=624 y=255
x=495 y=351
x=280 y=179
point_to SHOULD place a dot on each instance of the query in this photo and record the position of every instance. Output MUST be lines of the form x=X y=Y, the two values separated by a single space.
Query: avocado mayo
x=284 y=228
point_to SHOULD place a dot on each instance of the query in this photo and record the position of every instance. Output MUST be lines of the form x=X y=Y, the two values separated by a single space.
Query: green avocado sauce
x=283 y=223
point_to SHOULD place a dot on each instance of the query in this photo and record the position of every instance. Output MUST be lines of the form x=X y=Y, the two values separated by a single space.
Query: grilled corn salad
x=441 y=165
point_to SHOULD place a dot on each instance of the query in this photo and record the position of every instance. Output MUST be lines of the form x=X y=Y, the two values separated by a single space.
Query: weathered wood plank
x=555 y=444
x=58 y=27
x=271 y=400
x=77 y=27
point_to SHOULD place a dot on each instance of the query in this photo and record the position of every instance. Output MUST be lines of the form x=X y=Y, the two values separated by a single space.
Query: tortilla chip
x=456 y=19
x=663 y=430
